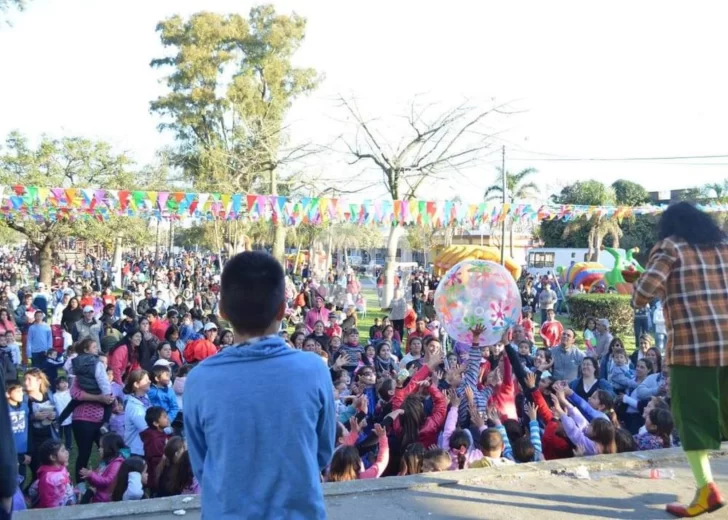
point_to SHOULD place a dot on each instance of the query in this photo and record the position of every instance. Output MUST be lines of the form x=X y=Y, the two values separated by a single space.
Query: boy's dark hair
x=12 y=385
x=152 y=312
x=50 y=351
x=158 y=370
x=514 y=430
x=154 y=413
x=47 y=450
x=523 y=450
x=61 y=379
x=491 y=440
x=129 y=313
x=252 y=291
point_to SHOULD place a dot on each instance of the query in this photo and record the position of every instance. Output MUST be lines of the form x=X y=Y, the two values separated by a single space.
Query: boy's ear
x=281 y=311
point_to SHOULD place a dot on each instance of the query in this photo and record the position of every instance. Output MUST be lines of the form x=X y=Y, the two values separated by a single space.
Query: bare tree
x=433 y=147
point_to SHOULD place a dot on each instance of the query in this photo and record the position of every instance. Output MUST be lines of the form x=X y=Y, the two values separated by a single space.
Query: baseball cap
x=88 y=308
x=210 y=326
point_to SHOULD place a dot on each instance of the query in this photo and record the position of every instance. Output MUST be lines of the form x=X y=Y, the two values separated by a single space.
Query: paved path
x=605 y=496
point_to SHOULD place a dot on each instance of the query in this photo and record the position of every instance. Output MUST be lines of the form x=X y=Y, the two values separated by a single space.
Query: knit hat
x=107 y=342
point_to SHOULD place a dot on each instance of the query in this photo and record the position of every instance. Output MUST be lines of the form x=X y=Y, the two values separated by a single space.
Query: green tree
x=6 y=5
x=231 y=86
x=716 y=191
x=598 y=229
x=516 y=189
x=628 y=193
x=69 y=162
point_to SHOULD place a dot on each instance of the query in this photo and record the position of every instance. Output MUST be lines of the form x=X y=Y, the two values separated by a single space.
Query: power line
x=621 y=159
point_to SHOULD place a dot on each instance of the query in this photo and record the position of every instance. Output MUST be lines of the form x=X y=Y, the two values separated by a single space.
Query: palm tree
x=516 y=189
x=599 y=229
x=720 y=190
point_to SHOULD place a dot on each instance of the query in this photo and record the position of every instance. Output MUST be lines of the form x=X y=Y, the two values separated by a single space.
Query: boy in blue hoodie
x=235 y=400
x=18 y=405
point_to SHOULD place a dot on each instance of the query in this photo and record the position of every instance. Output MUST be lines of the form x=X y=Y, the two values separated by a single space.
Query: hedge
x=617 y=308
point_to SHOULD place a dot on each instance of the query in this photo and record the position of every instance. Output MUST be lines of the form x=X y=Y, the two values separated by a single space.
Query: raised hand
x=477 y=331
x=530 y=380
x=469 y=396
x=494 y=417
x=453 y=398
x=379 y=431
x=532 y=411
x=475 y=418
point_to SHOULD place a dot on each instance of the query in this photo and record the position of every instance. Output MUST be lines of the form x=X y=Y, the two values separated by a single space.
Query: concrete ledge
x=654 y=458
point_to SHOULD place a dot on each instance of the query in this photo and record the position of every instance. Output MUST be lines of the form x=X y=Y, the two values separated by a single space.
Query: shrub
x=617 y=308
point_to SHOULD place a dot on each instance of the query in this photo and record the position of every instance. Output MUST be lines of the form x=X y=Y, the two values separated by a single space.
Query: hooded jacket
x=154 y=443
x=54 y=487
x=103 y=480
x=223 y=394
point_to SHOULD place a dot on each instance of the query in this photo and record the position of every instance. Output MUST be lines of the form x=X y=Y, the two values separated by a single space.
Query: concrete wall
x=162 y=508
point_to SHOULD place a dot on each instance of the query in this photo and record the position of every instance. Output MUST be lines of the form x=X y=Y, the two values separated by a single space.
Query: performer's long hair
x=687 y=222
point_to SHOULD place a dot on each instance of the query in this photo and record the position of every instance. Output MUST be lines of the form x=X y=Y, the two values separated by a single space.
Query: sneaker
x=707 y=500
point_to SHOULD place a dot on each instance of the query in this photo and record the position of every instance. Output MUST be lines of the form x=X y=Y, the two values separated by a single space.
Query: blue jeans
x=641 y=326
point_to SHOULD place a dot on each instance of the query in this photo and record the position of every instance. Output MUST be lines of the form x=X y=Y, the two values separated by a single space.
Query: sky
x=587 y=80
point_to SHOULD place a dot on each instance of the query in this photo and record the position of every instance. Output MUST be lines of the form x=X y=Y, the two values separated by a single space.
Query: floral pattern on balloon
x=477 y=292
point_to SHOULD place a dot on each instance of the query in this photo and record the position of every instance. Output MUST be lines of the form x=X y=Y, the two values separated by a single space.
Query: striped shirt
x=692 y=282
x=470 y=379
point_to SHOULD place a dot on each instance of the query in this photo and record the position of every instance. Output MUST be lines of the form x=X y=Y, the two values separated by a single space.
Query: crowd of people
x=106 y=370
x=136 y=376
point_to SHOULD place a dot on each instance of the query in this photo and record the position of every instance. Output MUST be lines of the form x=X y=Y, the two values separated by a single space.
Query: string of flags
x=40 y=203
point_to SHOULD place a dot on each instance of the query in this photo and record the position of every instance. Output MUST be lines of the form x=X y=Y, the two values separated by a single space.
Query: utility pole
x=504 y=188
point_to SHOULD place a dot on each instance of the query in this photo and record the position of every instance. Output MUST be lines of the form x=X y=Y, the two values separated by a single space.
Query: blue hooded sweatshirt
x=260 y=422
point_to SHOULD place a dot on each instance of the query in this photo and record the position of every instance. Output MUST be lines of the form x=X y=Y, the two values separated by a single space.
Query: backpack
x=7 y=367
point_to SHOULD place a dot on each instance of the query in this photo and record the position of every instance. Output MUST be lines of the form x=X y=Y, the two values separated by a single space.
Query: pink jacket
x=376 y=469
x=54 y=487
x=103 y=481
x=472 y=453
x=118 y=361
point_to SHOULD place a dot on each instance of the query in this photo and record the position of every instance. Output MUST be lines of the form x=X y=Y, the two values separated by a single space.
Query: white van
x=545 y=260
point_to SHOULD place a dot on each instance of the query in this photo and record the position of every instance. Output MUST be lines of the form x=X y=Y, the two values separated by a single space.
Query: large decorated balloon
x=477 y=292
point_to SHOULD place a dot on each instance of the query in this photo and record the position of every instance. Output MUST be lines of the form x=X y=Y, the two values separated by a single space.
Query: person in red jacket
x=410 y=423
x=154 y=440
x=555 y=444
x=200 y=349
x=410 y=319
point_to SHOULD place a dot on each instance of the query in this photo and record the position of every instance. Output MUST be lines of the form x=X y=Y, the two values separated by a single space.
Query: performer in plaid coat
x=688 y=271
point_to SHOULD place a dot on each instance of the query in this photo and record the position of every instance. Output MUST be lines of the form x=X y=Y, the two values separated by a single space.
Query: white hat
x=210 y=326
x=88 y=308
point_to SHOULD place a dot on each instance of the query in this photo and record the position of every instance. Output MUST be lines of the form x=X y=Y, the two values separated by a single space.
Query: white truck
x=544 y=260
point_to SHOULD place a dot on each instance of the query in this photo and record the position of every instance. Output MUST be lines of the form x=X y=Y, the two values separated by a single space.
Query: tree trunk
x=510 y=240
x=156 y=247
x=116 y=263
x=45 y=261
x=298 y=257
x=389 y=265
x=279 y=243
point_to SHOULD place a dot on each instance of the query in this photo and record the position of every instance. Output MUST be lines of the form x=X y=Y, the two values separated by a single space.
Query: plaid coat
x=692 y=283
